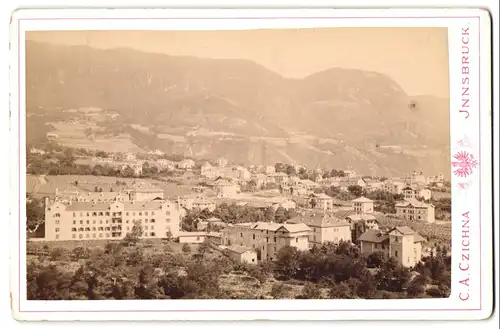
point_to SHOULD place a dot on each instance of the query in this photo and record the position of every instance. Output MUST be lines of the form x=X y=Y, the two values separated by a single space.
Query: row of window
x=152 y=220
x=107 y=213
x=88 y=229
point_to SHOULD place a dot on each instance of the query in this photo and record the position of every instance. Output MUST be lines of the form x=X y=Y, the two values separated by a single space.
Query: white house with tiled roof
x=363 y=205
x=401 y=243
x=324 y=228
x=414 y=210
x=319 y=201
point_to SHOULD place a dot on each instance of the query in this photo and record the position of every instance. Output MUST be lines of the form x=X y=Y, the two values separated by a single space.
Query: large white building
x=75 y=220
x=416 y=211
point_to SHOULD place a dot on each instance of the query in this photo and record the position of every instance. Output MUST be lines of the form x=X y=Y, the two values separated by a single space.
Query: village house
x=345 y=182
x=324 y=228
x=241 y=254
x=186 y=164
x=192 y=237
x=394 y=187
x=225 y=188
x=414 y=210
x=266 y=238
x=34 y=150
x=130 y=157
x=363 y=205
x=370 y=220
x=414 y=192
x=401 y=243
x=209 y=171
x=52 y=136
x=269 y=170
x=278 y=178
x=319 y=201
x=135 y=167
x=415 y=178
x=76 y=220
x=259 y=179
x=203 y=224
x=222 y=162
x=197 y=202
x=350 y=173
x=373 y=184
x=164 y=164
x=124 y=195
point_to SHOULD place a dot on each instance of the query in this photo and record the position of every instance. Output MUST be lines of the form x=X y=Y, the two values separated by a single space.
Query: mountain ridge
x=358 y=109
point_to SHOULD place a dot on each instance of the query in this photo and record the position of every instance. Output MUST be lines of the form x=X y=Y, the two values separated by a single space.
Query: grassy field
x=49 y=184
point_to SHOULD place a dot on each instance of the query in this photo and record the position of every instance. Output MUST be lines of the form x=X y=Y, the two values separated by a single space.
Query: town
x=272 y=217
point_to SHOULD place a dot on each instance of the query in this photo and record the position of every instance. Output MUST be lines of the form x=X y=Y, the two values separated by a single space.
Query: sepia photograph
x=244 y=164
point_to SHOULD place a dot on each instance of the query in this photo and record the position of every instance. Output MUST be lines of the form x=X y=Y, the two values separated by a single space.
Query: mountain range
x=201 y=107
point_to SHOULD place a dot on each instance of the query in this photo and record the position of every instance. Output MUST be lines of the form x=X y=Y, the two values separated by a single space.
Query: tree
x=278 y=290
x=313 y=202
x=416 y=286
x=375 y=259
x=280 y=215
x=132 y=237
x=355 y=190
x=96 y=189
x=186 y=248
x=358 y=230
x=280 y=167
x=35 y=214
x=310 y=291
x=340 y=291
x=287 y=262
x=290 y=170
x=252 y=185
x=204 y=247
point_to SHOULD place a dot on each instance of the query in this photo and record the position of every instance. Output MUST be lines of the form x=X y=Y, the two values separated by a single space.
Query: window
x=396 y=253
x=267 y=239
x=94 y=213
x=87 y=235
x=93 y=235
x=100 y=229
x=80 y=236
x=93 y=222
x=167 y=220
x=126 y=214
x=107 y=213
x=107 y=235
x=80 y=229
x=152 y=227
x=57 y=221
x=152 y=233
x=146 y=213
x=107 y=221
x=100 y=222
x=167 y=213
x=101 y=213
x=253 y=236
x=88 y=222
x=145 y=233
x=73 y=236
x=274 y=239
x=152 y=220
x=73 y=229
x=146 y=220
x=100 y=235
x=81 y=214
x=74 y=222
x=296 y=239
x=198 y=238
x=152 y=213
x=241 y=235
x=140 y=214
x=57 y=236
x=74 y=214
x=57 y=229
x=133 y=214
x=93 y=228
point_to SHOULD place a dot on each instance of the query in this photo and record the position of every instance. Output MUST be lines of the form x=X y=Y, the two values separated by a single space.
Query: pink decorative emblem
x=464 y=164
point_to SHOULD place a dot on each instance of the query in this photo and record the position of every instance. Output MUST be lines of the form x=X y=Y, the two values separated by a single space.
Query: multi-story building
x=414 y=210
x=319 y=201
x=324 y=228
x=362 y=205
x=76 y=220
x=198 y=202
x=413 y=192
x=266 y=238
x=401 y=243
x=394 y=187
x=225 y=188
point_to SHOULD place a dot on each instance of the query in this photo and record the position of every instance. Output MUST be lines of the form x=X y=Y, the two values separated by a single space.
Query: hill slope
x=241 y=110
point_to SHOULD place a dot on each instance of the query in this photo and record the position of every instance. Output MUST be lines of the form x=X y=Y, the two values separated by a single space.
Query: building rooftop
x=318 y=220
x=373 y=236
x=414 y=204
x=127 y=205
x=238 y=249
x=187 y=234
x=362 y=200
x=366 y=217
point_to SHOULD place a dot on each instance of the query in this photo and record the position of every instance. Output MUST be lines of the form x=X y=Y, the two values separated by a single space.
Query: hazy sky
x=416 y=58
